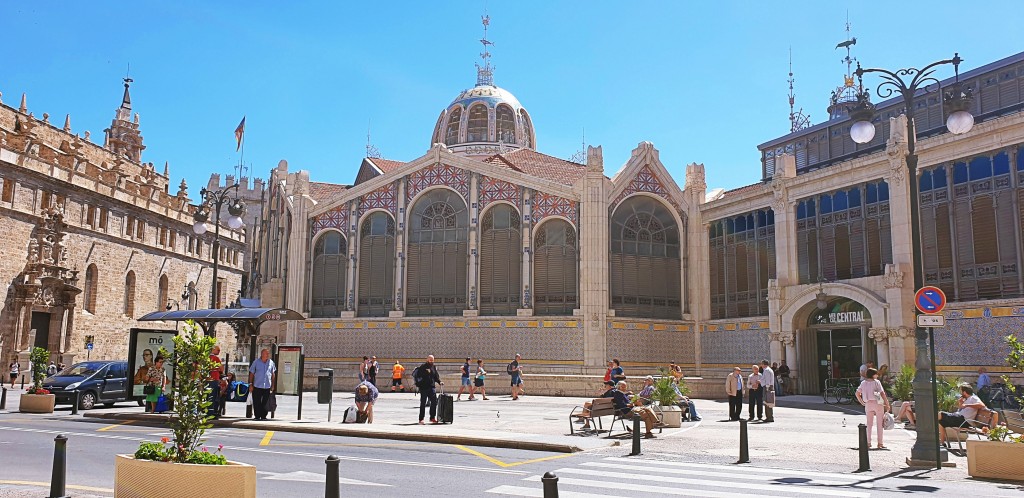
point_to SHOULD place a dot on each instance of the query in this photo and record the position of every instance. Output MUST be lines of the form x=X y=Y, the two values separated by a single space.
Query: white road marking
x=745 y=473
x=733 y=469
x=303 y=476
x=538 y=492
x=813 y=490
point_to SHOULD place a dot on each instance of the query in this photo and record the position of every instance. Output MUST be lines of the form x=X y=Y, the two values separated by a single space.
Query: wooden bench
x=599 y=407
x=1014 y=421
x=986 y=420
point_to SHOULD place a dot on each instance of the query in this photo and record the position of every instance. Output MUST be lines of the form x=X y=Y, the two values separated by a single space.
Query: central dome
x=483 y=121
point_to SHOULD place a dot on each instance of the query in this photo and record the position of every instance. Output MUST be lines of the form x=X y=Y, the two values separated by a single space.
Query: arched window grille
x=451 y=135
x=437 y=255
x=376 y=265
x=506 y=120
x=555 y=268
x=161 y=294
x=645 y=263
x=129 y=294
x=477 y=123
x=501 y=261
x=527 y=128
x=89 y=294
x=329 y=274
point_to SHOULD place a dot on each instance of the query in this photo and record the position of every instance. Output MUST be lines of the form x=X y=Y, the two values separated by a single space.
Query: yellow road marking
x=46 y=485
x=266 y=438
x=502 y=464
x=109 y=427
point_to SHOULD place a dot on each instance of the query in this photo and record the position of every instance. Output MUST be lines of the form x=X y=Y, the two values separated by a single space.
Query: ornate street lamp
x=212 y=201
x=959 y=120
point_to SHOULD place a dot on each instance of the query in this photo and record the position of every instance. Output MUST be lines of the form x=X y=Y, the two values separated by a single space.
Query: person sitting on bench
x=624 y=407
x=608 y=387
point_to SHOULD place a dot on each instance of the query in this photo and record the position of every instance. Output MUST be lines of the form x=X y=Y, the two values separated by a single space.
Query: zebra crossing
x=624 y=477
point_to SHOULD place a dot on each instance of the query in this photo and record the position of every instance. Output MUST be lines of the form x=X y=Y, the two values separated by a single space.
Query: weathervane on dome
x=797 y=119
x=485 y=73
x=845 y=96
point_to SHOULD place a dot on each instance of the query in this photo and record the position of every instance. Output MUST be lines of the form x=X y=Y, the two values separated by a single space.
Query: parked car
x=103 y=382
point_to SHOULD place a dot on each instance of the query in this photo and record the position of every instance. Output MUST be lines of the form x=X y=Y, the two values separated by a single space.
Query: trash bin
x=325 y=385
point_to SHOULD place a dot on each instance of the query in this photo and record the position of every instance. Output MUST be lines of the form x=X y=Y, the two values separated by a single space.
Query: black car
x=96 y=382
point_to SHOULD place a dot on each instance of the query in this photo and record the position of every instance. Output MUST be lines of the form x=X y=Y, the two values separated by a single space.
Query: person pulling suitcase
x=425 y=376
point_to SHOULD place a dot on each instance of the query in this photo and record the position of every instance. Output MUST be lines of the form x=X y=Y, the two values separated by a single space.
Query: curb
x=353 y=432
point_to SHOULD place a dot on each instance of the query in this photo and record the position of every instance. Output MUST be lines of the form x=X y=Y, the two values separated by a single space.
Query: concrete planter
x=995 y=460
x=672 y=416
x=36 y=403
x=149 y=479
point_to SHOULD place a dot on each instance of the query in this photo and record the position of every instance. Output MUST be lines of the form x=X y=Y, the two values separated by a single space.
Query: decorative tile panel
x=981 y=341
x=545 y=205
x=382 y=198
x=438 y=174
x=492 y=189
x=645 y=181
x=737 y=347
x=335 y=218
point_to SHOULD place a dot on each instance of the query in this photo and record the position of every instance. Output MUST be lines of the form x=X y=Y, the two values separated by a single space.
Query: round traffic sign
x=930 y=299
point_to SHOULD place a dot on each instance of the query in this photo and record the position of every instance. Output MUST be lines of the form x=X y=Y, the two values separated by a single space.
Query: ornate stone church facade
x=94 y=240
x=484 y=248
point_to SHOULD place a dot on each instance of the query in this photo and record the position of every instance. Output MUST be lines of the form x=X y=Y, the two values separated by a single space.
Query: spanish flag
x=239 y=133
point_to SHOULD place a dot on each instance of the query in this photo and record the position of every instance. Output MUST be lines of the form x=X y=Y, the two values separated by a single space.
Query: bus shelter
x=246 y=321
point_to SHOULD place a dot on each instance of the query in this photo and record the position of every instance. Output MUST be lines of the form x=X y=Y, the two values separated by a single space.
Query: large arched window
x=89 y=291
x=451 y=134
x=329 y=275
x=554 y=268
x=527 y=129
x=437 y=255
x=645 y=264
x=161 y=294
x=501 y=261
x=506 y=119
x=477 y=123
x=129 y=294
x=376 y=265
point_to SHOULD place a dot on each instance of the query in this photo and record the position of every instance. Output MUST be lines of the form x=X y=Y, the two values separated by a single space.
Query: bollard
x=22 y=383
x=333 y=488
x=636 y=435
x=57 y=479
x=550 y=481
x=862 y=447
x=744 y=451
x=3 y=399
x=74 y=404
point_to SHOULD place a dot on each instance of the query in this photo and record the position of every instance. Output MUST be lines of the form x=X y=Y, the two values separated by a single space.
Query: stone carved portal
x=46 y=288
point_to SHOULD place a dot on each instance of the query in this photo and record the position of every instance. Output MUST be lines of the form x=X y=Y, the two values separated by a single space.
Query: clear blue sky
x=704 y=81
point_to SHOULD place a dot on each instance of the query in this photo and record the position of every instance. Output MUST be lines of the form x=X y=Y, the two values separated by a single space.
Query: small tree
x=39 y=357
x=903 y=383
x=1015 y=359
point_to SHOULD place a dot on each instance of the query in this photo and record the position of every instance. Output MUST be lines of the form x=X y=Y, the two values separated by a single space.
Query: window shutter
x=858 y=258
x=1007 y=244
x=968 y=289
x=986 y=247
x=885 y=235
x=803 y=256
x=828 y=251
x=842 y=252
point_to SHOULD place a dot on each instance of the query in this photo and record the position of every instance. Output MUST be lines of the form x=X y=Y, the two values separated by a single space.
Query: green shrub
x=903 y=383
x=947 y=394
x=39 y=357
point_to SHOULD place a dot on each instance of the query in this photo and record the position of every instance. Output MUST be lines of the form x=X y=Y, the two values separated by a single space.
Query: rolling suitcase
x=445 y=404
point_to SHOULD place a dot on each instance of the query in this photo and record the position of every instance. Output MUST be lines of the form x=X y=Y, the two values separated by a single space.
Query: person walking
x=481 y=374
x=465 y=381
x=516 y=372
x=618 y=374
x=754 y=388
x=783 y=374
x=425 y=376
x=396 y=376
x=213 y=380
x=363 y=365
x=734 y=389
x=876 y=403
x=14 y=370
x=768 y=385
x=155 y=382
x=262 y=374
x=371 y=371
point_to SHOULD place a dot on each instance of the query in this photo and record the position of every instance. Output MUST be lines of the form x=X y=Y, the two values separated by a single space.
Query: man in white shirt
x=768 y=385
x=969 y=405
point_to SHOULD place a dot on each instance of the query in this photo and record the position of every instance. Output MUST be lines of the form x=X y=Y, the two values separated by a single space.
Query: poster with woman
x=143 y=348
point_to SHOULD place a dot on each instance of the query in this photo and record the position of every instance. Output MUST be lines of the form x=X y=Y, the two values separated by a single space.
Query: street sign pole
x=935 y=395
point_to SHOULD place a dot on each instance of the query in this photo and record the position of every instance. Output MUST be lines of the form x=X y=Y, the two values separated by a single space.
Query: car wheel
x=87 y=400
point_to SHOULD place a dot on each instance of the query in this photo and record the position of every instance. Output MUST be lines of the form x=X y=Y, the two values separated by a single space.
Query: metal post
x=22 y=382
x=935 y=400
x=302 y=370
x=58 y=478
x=333 y=485
x=550 y=481
x=74 y=403
x=862 y=448
x=744 y=451
x=3 y=399
x=636 y=435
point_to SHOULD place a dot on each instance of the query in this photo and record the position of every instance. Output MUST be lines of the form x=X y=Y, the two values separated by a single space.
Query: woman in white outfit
x=876 y=403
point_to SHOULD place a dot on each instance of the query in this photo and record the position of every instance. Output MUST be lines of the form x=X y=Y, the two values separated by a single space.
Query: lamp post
x=956 y=103
x=212 y=201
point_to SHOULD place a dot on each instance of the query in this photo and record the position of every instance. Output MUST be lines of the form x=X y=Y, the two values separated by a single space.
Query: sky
x=704 y=81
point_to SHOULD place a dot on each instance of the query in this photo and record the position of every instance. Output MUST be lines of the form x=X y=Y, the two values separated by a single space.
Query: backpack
x=417 y=375
x=351 y=415
x=510 y=367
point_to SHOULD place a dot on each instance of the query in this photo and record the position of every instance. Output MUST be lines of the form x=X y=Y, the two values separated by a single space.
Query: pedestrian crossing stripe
x=694 y=479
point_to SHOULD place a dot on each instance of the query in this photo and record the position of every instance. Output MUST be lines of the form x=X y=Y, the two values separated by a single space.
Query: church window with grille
x=129 y=294
x=329 y=274
x=451 y=134
x=972 y=214
x=501 y=261
x=506 y=119
x=437 y=255
x=477 y=123
x=741 y=255
x=645 y=266
x=89 y=291
x=844 y=234
x=161 y=293
x=555 y=268
x=376 y=265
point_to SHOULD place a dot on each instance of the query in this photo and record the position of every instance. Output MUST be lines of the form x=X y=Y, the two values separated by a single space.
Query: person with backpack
x=515 y=371
x=371 y=371
x=425 y=376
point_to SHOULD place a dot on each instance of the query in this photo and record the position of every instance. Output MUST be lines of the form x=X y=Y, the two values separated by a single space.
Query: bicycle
x=839 y=391
x=1002 y=398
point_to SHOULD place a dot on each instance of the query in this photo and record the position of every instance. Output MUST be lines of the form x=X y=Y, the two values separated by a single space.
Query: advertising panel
x=143 y=347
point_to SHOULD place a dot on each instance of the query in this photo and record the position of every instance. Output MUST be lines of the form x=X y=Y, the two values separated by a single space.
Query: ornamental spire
x=485 y=73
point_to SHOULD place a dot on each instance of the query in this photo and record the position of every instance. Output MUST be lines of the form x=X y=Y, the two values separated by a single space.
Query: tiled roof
x=324 y=191
x=385 y=165
x=745 y=189
x=540 y=165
